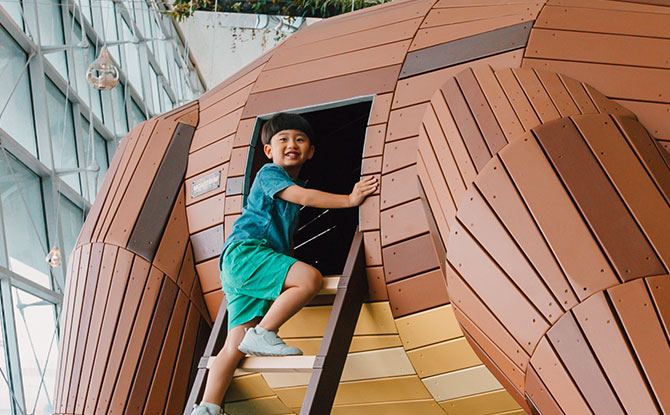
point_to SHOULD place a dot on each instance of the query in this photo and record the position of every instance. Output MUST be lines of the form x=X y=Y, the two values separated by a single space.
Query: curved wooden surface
x=409 y=356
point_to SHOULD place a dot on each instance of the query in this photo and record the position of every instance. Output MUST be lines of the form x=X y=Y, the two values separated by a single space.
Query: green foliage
x=294 y=8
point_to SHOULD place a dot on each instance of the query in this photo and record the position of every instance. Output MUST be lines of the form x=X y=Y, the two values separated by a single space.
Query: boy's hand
x=362 y=189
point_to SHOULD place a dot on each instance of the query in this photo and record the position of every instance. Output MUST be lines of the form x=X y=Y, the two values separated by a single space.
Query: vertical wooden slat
x=579 y=95
x=179 y=387
x=522 y=107
x=536 y=94
x=539 y=394
x=558 y=93
x=504 y=113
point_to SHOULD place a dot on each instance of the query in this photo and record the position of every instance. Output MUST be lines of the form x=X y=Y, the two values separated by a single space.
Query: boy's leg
x=225 y=363
x=302 y=283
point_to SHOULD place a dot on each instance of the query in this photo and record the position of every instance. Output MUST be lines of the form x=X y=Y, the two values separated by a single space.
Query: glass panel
x=108 y=10
x=94 y=179
x=5 y=397
x=17 y=120
x=38 y=350
x=71 y=221
x=51 y=32
x=24 y=221
x=118 y=100
x=85 y=6
x=13 y=9
x=132 y=66
x=135 y=115
x=154 y=91
x=61 y=127
x=82 y=59
x=167 y=101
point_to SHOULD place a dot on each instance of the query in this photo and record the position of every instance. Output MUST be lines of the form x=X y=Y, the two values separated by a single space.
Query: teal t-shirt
x=266 y=216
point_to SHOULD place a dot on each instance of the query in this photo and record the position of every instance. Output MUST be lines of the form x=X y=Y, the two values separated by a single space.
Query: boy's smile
x=289 y=149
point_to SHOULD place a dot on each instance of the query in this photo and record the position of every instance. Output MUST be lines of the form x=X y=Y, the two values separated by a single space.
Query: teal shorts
x=252 y=277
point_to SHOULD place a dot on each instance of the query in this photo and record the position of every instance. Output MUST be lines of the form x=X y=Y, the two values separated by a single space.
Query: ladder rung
x=280 y=364
x=330 y=285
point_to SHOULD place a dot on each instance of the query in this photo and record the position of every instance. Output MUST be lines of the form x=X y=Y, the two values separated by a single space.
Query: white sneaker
x=203 y=410
x=260 y=342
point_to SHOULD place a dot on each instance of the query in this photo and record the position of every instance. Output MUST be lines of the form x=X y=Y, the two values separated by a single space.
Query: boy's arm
x=325 y=200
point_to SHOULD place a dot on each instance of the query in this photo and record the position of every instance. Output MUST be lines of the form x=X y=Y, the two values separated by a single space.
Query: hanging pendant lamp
x=103 y=74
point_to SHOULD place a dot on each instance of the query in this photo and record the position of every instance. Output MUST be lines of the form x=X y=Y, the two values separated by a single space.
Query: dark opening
x=324 y=236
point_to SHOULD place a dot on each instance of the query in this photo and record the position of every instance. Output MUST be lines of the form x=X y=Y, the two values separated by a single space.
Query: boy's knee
x=315 y=281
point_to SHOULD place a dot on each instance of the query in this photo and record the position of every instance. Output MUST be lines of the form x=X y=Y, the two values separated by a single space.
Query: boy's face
x=289 y=149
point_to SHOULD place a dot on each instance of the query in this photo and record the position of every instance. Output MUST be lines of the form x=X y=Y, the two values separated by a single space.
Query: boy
x=263 y=285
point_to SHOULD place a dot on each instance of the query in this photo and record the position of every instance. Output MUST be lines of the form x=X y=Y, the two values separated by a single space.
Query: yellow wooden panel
x=460 y=383
x=248 y=387
x=310 y=346
x=428 y=327
x=423 y=407
x=443 y=357
x=401 y=388
x=270 y=405
x=375 y=318
x=285 y=380
x=481 y=404
x=515 y=412
x=377 y=364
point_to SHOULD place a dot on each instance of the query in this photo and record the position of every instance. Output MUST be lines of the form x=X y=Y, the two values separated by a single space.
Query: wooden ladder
x=326 y=367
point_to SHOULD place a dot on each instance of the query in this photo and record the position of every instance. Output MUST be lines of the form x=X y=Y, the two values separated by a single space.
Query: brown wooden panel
x=644 y=331
x=374 y=81
x=357 y=61
x=615 y=81
x=167 y=302
x=598 y=47
x=374 y=139
x=604 y=21
x=648 y=152
x=347 y=42
x=514 y=374
x=403 y=222
x=373 y=248
x=381 y=107
x=597 y=321
x=539 y=394
x=225 y=106
x=473 y=307
x=420 y=88
x=241 y=78
x=522 y=106
x=97 y=313
x=399 y=187
x=404 y=122
x=443 y=153
x=558 y=94
x=626 y=247
x=432 y=200
x=207 y=244
x=438 y=16
x=210 y=156
x=501 y=107
x=571 y=347
x=174 y=241
x=376 y=284
x=570 y=240
x=160 y=386
x=552 y=373
x=369 y=214
x=209 y=275
x=537 y=95
x=206 y=213
x=217 y=174
x=659 y=287
x=98 y=255
x=630 y=178
x=187 y=272
x=433 y=36
x=605 y=4
x=213 y=301
x=506 y=301
x=239 y=161
x=579 y=95
x=176 y=399
x=138 y=190
x=486 y=121
x=485 y=227
x=371 y=165
x=418 y=293
x=122 y=277
x=214 y=131
x=138 y=334
x=467 y=49
x=421 y=251
x=606 y=105
x=118 y=188
x=245 y=132
x=399 y=154
x=498 y=189
x=129 y=308
x=228 y=223
x=477 y=148
x=445 y=202
x=233 y=205
x=653 y=115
